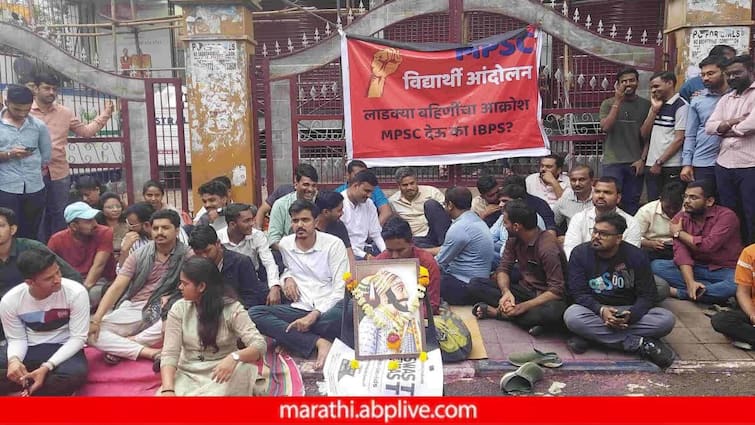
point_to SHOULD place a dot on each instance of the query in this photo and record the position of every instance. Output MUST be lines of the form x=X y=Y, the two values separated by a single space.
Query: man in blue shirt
x=695 y=85
x=378 y=197
x=700 y=148
x=467 y=251
x=25 y=149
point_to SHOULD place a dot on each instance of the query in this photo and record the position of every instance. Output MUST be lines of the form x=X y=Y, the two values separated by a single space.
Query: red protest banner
x=475 y=103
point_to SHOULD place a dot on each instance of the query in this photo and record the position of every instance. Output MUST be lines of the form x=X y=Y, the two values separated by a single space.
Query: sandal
x=522 y=380
x=112 y=359
x=483 y=308
x=549 y=360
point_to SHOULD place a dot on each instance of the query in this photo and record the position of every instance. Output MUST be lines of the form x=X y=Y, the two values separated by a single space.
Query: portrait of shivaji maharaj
x=384 y=63
x=388 y=321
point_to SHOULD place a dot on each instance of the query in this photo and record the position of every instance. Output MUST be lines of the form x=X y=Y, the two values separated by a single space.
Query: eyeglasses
x=601 y=233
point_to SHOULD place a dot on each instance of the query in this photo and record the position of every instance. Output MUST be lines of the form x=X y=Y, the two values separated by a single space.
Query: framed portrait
x=387 y=310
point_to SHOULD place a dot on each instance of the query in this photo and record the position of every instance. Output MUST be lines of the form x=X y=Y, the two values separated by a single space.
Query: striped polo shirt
x=671 y=117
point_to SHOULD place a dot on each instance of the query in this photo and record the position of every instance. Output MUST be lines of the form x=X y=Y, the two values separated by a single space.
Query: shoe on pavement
x=743 y=345
x=657 y=352
x=577 y=344
x=536 y=330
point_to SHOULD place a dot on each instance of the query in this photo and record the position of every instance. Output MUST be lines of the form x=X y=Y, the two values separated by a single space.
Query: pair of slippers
x=480 y=311
x=522 y=380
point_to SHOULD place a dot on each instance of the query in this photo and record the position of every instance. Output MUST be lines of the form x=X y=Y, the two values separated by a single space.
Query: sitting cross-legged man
x=613 y=289
x=45 y=320
x=533 y=297
x=739 y=325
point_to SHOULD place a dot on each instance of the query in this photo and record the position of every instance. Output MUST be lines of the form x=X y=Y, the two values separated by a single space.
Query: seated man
x=263 y=213
x=550 y=182
x=467 y=251
x=654 y=219
x=87 y=247
x=315 y=263
x=613 y=289
x=45 y=319
x=498 y=230
x=739 y=325
x=305 y=188
x=399 y=244
x=606 y=195
x=214 y=196
x=378 y=197
x=360 y=216
x=139 y=231
x=576 y=198
x=237 y=269
x=533 y=298
x=485 y=204
x=706 y=248
x=128 y=321
x=241 y=236
x=329 y=221
x=409 y=203
x=539 y=205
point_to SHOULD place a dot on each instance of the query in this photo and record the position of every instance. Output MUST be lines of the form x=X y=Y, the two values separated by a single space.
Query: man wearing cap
x=24 y=153
x=87 y=247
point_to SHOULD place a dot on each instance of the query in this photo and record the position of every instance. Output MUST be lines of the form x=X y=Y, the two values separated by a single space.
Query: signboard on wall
x=701 y=40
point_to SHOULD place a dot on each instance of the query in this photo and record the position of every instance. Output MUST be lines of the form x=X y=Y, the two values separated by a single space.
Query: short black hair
x=353 y=164
x=706 y=185
x=610 y=180
x=558 y=158
x=202 y=236
x=213 y=187
x=614 y=219
x=673 y=192
x=233 y=211
x=110 y=195
x=302 y=204
x=515 y=179
x=306 y=170
x=721 y=50
x=10 y=216
x=486 y=183
x=20 y=95
x=34 y=260
x=719 y=61
x=47 y=78
x=624 y=71
x=87 y=183
x=396 y=228
x=745 y=60
x=583 y=167
x=142 y=210
x=328 y=199
x=223 y=179
x=514 y=191
x=171 y=215
x=664 y=76
x=460 y=196
x=153 y=183
x=404 y=172
x=518 y=211
x=364 y=176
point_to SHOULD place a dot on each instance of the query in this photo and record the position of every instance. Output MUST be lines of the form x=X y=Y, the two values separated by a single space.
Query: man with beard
x=700 y=148
x=613 y=289
x=139 y=231
x=378 y=197
x=550 y=182
x=695 y=85
x=654 y=219
x=409 y=203
x=706 y=248
x=360 y=216
x=576 y=198
x=606 y=195
x=305 y=188
x=329 y=221
x=87 y=247
x=60 y=121
x=733 y=121
x=625 y=150
x=313 y=281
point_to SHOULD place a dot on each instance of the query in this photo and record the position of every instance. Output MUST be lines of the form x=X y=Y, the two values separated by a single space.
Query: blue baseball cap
x=79 y=210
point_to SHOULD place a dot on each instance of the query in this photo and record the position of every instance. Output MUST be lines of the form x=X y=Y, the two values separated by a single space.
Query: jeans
x=438 y=223
x=272 y=320
x=736 y=187
x=630 y=184
x=58 y=196
x=453 y=290
x=734 y=324
x=719 y=284
x=67 y=377
x=29 y=208
x=656 y=323
x=656 y=182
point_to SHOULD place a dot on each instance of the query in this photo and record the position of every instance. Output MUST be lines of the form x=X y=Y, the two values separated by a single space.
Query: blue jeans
x=58 y=196
x=719 y=284
x=630 y=184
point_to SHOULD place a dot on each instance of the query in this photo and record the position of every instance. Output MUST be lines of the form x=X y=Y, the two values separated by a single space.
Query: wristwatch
x=235 y=356
x=676 y=235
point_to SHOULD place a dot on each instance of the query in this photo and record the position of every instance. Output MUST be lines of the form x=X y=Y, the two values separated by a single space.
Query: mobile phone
x=30 y=149
x=620 y=314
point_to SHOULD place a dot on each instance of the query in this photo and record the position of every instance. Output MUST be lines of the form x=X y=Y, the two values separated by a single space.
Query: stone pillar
x=695 y=26
x=219 y=44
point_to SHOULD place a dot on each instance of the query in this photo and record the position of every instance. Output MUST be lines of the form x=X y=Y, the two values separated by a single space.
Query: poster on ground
x=416 y=104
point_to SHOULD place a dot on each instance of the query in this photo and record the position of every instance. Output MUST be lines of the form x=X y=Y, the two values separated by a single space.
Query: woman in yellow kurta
x=200 y=356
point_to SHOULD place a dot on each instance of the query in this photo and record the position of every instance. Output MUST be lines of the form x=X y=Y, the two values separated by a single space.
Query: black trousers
x=734 y=324
x=67 y=377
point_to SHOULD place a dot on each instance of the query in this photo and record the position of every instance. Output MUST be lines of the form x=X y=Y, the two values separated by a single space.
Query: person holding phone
x=25 y=150
x=614 y=293
x=625 y=149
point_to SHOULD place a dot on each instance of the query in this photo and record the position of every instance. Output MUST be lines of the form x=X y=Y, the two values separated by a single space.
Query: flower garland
x=393 y=341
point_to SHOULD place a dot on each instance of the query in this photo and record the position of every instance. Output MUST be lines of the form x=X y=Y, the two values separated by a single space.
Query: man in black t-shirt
x=329 y=219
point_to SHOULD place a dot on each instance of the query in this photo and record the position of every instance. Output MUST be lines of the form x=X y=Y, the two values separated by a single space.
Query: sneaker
x=657 y=352
x=743 y=345
x=577 y=344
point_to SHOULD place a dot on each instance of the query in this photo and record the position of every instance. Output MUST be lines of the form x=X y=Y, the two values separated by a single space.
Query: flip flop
x=111 y=359
x=481 y=306
x=522 y=380
x=715 y=309
x=550 y=359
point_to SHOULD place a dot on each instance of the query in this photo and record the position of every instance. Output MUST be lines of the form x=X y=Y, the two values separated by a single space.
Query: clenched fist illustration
x=384 y=63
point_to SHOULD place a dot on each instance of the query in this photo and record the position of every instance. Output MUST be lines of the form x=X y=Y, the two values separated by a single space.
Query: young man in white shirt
x=313 y=280
x=550 y=182
x=45 y=320
x=360 y=216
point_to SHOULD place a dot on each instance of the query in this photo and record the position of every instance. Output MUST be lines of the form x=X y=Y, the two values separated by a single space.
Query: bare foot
x=323 y=347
